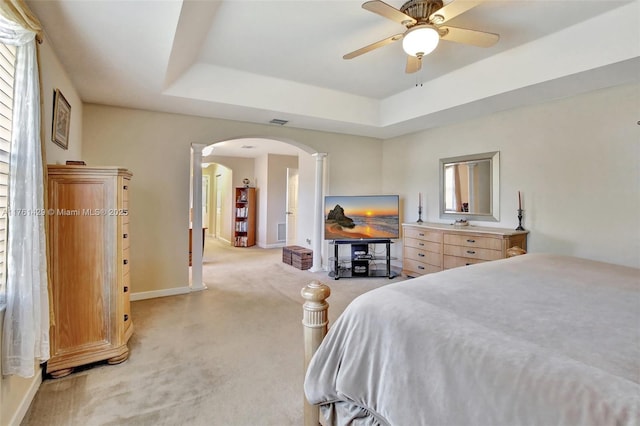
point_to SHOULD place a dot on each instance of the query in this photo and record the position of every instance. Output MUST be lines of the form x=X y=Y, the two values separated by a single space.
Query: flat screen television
x=361 y=217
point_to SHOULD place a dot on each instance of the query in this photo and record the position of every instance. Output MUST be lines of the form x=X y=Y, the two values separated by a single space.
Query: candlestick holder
x=520 y=228
x=419 y=214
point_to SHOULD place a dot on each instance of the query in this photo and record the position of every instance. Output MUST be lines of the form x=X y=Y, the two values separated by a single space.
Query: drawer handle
x=421 y=254
x=471 y=252
x=467 y=264
x=421 y=234
x=421 y=244
x=126 y=288
x=126 y=317
x=125 y=235
x=471 y=241
x=125 y=187
x=420 y=267
x=126 y=261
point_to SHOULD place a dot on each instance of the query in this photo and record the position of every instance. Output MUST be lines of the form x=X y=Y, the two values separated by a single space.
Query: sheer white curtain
x=26 y=322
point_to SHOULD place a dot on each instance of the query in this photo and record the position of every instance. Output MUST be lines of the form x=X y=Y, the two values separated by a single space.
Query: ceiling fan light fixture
x=420 y=40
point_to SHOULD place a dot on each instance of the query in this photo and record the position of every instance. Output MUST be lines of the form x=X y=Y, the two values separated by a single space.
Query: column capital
x=198 y=147
x=320 y=155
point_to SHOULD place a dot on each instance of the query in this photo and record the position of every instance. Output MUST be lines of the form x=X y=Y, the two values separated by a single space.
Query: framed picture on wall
x=61 y=120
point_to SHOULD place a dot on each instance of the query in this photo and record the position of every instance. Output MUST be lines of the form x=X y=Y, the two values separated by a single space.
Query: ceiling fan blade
x=387 y=11
x=466 y=36
x=413 y=64
x=372 y=46
x=452 y=10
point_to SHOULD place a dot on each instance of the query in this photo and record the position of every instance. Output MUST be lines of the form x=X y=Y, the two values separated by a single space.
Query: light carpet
x=228 y=355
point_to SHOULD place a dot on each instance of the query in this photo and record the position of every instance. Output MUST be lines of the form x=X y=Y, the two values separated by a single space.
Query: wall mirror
x=470 y=187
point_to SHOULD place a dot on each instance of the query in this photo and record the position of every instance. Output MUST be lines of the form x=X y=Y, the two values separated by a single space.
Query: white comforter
x=531 y=340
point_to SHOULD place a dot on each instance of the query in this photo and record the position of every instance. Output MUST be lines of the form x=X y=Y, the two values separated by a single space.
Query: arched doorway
x=267 y=164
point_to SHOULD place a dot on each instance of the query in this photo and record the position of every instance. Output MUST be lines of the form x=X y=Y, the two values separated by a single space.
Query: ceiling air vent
x=279 y=121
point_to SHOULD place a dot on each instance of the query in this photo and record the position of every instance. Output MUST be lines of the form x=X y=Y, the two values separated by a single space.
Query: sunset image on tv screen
x=361 y=217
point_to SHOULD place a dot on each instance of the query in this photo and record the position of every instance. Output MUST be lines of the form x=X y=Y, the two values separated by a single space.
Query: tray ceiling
x=258 y=60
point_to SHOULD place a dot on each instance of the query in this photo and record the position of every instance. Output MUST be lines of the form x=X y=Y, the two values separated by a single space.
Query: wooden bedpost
x=314 y=323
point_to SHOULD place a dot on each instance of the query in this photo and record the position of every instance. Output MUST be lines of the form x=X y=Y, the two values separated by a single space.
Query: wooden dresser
x=88 y=237
x=433 y=247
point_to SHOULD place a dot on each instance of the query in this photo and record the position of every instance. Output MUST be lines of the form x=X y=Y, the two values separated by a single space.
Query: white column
x=196 y=219
x=318 y=214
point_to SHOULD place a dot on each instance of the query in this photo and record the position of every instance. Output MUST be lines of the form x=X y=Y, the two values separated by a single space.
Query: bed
x=531 y=340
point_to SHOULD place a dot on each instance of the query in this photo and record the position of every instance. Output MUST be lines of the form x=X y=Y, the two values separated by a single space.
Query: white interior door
x=218 y=204
x=292 y=205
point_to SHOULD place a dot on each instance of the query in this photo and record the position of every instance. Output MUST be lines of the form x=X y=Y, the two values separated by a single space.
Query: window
x=7 y=67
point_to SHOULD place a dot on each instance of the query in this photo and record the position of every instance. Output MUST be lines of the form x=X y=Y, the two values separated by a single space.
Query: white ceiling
x=258 y=60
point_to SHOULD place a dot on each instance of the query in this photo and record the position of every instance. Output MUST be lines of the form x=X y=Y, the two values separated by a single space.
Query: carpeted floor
x=229 y=355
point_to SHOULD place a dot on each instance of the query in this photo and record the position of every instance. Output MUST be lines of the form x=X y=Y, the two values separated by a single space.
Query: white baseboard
x=142 y=295
x=270 y=246
x=25 y=403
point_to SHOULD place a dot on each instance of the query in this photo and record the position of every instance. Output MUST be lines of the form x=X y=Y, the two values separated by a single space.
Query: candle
x=519 y=201
x=419 y=199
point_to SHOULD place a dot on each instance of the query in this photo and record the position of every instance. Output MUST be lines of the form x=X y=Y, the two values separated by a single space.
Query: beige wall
x=53 y=76
x=156 y=148
x=576 y=161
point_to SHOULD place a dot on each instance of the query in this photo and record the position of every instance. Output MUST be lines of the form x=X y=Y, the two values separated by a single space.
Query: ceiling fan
x=424 y=20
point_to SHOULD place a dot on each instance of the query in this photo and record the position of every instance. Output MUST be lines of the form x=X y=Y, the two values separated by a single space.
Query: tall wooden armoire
x=88 y=237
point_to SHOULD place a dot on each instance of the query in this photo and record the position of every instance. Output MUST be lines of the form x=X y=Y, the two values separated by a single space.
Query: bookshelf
x=244 y=223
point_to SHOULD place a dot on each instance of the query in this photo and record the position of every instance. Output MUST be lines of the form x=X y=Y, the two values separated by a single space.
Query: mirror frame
x=494 y=214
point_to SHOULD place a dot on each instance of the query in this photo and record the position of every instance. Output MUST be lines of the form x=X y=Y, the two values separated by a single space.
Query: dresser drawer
x=125 y=189
x=125 y=194
x=125 y=261
x=413 y=268
x=126 y=310
x=125 y=235
x=126 y=283
x=472 y=252
x=423 y=234
x=451 y=262
x=126 y=300
x=473 y=241
x=423 y=256
x=422 y=245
